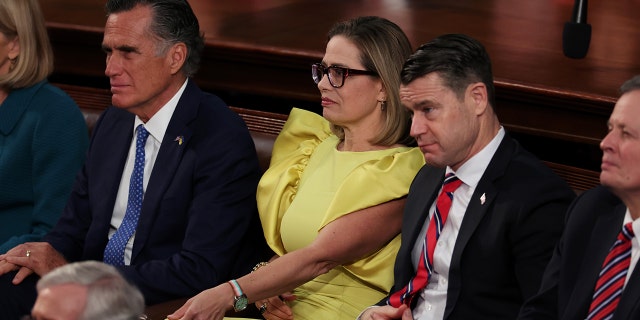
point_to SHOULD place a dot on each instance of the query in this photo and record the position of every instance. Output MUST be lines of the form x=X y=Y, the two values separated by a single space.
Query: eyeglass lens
x=335 y=74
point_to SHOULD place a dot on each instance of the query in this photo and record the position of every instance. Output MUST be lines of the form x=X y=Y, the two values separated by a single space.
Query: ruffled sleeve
x=301 y=134
x=385 y=179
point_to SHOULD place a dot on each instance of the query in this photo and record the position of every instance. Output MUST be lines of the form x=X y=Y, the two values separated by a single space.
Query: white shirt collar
x=159 y=122
x=471 y=171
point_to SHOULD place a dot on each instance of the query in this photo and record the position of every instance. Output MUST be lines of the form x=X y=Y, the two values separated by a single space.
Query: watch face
x=240 y=303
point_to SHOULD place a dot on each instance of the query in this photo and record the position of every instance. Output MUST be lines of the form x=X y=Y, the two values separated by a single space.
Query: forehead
x=427 y=88
x=128 y=27
x=627 y=110
x=343 y=52
x=66 y=301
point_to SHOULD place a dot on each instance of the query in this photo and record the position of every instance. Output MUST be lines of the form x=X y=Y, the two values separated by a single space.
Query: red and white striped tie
x=612 y=277
x=425 y=265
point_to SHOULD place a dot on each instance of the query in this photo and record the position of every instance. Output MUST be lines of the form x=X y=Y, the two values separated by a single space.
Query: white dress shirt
x=157 y=126
x=433 y=299
x=635 y=244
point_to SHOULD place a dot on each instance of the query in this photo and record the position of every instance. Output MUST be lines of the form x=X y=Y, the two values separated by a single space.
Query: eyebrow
x=123 y=48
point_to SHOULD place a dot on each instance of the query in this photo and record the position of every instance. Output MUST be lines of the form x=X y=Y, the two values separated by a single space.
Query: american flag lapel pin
x=483 y=198
x=179 y=139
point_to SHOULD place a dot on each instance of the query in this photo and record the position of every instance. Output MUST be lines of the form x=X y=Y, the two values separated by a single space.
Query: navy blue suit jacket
x=593 y=223
x=504 y=241
x=198 y=225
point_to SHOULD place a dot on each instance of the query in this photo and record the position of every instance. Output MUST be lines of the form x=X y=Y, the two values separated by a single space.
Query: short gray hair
x=630 y=85
x=173 y=22
x=109 y=295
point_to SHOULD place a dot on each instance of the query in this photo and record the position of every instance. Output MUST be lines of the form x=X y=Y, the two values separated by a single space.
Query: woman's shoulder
x=300 y=135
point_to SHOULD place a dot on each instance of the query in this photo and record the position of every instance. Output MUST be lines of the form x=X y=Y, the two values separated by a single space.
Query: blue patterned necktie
x=114 y=252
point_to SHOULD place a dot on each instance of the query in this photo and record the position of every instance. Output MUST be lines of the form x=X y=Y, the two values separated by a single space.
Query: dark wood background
x=259 y=52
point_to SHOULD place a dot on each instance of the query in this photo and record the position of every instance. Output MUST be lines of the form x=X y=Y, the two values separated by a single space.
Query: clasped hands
x=30 y=257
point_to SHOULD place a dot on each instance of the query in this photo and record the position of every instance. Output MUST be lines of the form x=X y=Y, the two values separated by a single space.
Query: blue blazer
x=503 y=244
x=593 y=223
x=198 y=225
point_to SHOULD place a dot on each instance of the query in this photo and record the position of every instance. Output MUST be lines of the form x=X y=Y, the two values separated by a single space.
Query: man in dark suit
x=576 y=284
x=196 y=223
x=496 y=231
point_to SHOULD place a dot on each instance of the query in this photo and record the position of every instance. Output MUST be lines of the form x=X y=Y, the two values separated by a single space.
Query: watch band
x=236 y=287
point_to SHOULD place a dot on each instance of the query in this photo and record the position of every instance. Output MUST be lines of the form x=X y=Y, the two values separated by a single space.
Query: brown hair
x=384 y=47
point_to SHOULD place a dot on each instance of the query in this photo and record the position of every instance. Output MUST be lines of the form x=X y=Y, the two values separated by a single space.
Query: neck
x=4 y=93
x=631 y=201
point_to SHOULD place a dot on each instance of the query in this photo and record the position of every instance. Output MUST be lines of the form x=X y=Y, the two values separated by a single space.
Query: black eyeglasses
x=336 y=74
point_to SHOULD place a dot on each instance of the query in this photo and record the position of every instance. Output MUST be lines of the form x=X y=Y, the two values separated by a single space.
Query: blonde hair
x=24 y=19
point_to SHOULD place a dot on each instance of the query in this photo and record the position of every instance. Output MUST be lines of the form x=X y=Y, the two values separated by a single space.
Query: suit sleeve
x=538 y=232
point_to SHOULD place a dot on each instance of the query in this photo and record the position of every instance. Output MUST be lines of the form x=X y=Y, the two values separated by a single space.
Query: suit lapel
x=423 y=192
x=116 y=133
x=418 y=209
x=477 y=208
x=174 y=144
x=603 y=235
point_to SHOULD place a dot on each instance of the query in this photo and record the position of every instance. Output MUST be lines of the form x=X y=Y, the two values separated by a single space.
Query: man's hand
x=31 y=257
x=387 y=313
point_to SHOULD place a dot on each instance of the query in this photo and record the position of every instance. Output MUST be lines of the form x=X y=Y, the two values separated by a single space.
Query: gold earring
x=12 y=63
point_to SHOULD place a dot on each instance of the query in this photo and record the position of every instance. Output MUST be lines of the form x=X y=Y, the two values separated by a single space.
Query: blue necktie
x=114 y=252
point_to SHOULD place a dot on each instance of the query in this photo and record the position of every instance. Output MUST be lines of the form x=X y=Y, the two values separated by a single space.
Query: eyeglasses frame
x=346 y=72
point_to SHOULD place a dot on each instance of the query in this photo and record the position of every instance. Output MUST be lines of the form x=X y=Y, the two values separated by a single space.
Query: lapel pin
x=483 y=198
x=179 y=139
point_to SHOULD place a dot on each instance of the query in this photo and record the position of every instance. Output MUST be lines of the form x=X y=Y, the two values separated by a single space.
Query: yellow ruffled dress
x=309 y=184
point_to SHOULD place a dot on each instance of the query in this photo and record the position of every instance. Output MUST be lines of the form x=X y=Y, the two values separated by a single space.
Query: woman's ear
x=14 y=48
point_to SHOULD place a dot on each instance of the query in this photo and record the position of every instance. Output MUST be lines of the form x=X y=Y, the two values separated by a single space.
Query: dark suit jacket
x=504 y=244
x=594 y=221
x=199 y=224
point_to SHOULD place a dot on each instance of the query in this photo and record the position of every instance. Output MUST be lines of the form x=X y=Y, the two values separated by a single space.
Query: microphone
x=576 y=35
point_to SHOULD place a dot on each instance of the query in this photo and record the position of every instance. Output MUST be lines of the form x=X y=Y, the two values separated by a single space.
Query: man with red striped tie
x=591 y=273
x=483 y=215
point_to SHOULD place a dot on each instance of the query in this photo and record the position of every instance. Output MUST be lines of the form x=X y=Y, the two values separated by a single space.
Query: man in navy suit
x=505 y=217
x=198 y=224
x=594 y=223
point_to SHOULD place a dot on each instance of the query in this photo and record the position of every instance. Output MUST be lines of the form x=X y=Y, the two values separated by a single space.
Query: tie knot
x=142 y=134
x=451 y=183
x=627 y=232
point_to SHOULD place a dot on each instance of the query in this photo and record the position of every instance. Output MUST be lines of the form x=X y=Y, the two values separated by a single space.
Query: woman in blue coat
x=43 y=135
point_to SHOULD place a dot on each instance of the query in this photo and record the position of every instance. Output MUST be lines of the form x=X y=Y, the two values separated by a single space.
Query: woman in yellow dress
x=331 y=202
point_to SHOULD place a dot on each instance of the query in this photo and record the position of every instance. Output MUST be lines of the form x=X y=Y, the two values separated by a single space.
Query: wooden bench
x=264 y=128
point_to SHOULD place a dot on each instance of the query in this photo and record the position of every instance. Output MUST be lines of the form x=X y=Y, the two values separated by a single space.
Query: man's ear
x=477 y=92
x=177 y=57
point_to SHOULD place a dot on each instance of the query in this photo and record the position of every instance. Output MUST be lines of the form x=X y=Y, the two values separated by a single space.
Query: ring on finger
x=28 y=254
x=263 y=308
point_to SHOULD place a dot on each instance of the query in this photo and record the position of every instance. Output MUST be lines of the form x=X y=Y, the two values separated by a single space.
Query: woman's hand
x=275 y=308
x=210 y=304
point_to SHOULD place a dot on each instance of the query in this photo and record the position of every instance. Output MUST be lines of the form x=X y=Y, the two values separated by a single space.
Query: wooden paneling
x=258 y=56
